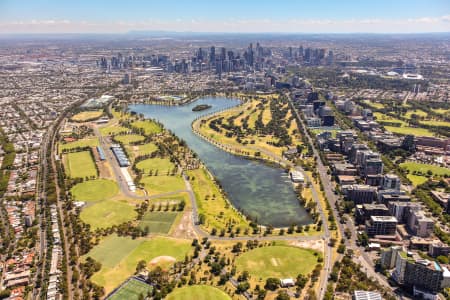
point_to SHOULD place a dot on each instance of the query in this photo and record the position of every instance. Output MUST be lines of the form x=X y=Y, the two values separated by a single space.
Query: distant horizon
x=234 y=16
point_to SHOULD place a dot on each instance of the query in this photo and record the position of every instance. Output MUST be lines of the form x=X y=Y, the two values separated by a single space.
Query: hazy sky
x=311 y=16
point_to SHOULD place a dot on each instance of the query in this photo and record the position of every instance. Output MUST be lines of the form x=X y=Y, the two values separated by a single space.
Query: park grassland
x=107 y=213
x=87 y=116
x=129 y=138
x=80 y=165
x=198 y=292
x=421 y=171
x=94 y=190
x=90 y=142
x=120 y=255
x=140 y=150
x=131 y=290
x=158 y=221
x=277 y=262
x=162 y=165
x=112 y=129
x=250 y=143
x=162 y=184
x=212 y=204
x=149 y=127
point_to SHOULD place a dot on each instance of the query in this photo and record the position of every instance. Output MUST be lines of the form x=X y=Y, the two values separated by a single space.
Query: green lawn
x=421 y=171
x=79 y=164
x=198 y=292
x=148 y=126
x=435 y=123
x=147 y=149
x=162 y=184
x=112 y=130
x=277 y=261
x=87 y=115
x=113 y=249
x=120 y=255
x=161 y=164
x=129 y=138
x=409 y=130
x=131 y=290
x=107 y=213
x=158 y=221
x=376 y=105
x=442 y=111
x=333 y=131
x=94 y=190
x=212 y=204
x=418 y=112
x=80 y=143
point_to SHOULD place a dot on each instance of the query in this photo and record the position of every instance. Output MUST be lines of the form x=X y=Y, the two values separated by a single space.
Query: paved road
x=365 y=261
x=329 y=194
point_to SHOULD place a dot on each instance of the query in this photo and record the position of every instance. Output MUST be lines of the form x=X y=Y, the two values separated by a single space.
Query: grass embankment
x=120 y=255
x=217 y=212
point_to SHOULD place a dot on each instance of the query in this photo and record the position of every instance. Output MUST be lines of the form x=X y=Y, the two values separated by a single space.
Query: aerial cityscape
x=235 y=150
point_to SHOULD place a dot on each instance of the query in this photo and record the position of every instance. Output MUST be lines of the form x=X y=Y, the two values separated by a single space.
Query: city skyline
x=50 y=16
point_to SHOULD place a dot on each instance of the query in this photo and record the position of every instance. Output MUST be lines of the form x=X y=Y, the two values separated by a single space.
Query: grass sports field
x=131 y=290
x=421 y=171
x=129 y=138
x=94 y=190
x=158 y=221
x=80 y=143
x=162 y=165
x=112 y=130
x=162 y=184
x=409 y=130
x=277 y=261
x=148 y=126
x=139 y=150
x=120 y=255
x=107 y=213
x=80 y=165
x=87 y=115
x=198 y=292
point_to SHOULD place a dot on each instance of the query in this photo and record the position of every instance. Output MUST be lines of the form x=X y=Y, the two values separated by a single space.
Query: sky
x=290 y=16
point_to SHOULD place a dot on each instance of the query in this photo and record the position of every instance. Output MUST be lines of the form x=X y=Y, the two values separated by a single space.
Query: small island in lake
x=201 y=107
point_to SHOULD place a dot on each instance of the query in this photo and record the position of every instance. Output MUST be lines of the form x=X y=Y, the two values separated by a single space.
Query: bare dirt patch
x=162 y=259
x=315 y=244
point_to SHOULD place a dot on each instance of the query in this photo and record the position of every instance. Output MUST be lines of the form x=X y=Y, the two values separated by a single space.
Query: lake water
x=261 y=191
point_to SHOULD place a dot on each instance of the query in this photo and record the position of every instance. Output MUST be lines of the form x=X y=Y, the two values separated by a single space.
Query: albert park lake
x=259 y=190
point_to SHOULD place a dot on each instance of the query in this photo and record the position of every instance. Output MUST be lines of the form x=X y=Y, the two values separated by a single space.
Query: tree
x=443 y=259
x=301 y=281
x=140 y=266
x=272 y=284
x=282 y=295
x=242 y=287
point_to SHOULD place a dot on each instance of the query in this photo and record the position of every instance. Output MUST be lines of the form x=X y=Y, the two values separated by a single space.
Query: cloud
x=376 y=25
